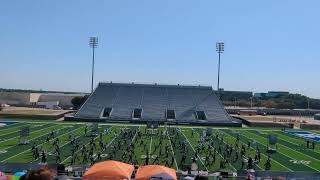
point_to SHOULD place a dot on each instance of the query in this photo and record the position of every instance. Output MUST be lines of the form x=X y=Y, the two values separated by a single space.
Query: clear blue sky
x=269 y=45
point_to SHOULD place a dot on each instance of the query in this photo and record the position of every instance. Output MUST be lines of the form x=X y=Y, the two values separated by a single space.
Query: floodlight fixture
x=220 y=47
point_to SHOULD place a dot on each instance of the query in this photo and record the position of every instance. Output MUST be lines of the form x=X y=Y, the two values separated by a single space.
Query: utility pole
x=220 y=50
x=93 y=43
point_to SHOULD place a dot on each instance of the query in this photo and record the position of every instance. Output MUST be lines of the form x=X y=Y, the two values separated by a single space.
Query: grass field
x=175 y=147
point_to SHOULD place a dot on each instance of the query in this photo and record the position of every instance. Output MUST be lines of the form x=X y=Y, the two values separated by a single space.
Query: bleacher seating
x=154 y=100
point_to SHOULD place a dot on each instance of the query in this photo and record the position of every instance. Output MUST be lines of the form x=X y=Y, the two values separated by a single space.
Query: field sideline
x=166 y=145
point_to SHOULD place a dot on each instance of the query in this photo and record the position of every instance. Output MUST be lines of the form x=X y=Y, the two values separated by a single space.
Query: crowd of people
x=171 y=147
x=209 y=144
x=79 y=152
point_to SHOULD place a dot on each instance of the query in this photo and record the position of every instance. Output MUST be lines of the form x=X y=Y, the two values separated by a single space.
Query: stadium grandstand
x=137 y=103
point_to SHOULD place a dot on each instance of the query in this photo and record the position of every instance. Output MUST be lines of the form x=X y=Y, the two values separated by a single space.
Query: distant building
x=49 y=104
x=276 y=93
x=259 y=95
x=270 y=94
x=238 y=93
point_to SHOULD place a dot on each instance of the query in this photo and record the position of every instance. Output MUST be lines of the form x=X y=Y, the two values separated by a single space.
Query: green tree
x=78 y=101
x=269 y=104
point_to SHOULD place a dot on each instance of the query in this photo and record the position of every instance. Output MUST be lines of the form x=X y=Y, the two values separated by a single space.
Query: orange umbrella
x=111 y=170
x=155 y=172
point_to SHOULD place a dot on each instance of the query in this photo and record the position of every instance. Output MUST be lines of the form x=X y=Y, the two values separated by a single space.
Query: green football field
x=179 y=147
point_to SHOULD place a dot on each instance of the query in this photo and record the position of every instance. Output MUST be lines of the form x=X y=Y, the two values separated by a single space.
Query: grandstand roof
x=154 y=102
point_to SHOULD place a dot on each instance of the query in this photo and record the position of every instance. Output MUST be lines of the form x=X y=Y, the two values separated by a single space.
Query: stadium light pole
x=219 y=49
x=93 y=43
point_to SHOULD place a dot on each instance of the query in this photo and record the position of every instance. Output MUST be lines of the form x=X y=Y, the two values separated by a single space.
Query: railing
x=155 y=84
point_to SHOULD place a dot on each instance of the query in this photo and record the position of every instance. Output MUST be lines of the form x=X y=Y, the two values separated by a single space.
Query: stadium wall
x=287 y=112
x=161 y=122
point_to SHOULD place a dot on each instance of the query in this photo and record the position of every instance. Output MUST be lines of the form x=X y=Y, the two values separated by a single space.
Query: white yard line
x=12 y=131
x=317 y=160
x=222 y=158
x=221 y=155
x=87 y=144
x=134 y=136
x=298 y=145
x=12 y=125
x=67 y=141
x=175 y=161
x=115 y=138
x=193 y=149
x=261 y=153
x=288 y=156
x=77 y=151
x=150 y=147
x=218 y=154
x=18 y=136
x=9 y=139
x=294 y=143
x=108 y=145
x=30 y=148
x=29 y=139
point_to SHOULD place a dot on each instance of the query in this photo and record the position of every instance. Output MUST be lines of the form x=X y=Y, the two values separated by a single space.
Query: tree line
x=289 y=101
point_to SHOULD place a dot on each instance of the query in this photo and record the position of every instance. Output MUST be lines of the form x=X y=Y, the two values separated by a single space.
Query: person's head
x=39 y=174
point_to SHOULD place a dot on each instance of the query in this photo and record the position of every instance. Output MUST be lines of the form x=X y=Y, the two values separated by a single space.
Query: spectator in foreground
x=39 y=174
